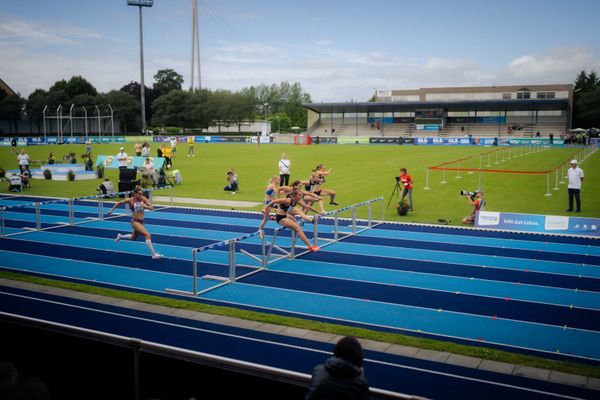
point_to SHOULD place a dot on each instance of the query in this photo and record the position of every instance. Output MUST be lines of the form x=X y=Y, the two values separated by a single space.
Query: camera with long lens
x=472 y=195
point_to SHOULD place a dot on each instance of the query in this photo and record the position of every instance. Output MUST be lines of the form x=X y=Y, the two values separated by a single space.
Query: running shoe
x=119 y=237
x=333 y=203
x=314 y=248
x=156 y=256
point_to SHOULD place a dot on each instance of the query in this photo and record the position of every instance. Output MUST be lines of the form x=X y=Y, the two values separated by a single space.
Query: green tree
x=586 y=110
x=280 y=122
x=10 y=109
x=174 y=109
x=134 y=89
x=75 y=86
x=126 y=109
x=34 y=107
x=166 y=80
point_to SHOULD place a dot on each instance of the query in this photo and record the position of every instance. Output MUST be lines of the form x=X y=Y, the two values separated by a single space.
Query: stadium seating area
x=339 y=127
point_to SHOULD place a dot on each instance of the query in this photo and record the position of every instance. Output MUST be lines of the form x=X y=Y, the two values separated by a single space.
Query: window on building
x=523 y=95
x=506 y=96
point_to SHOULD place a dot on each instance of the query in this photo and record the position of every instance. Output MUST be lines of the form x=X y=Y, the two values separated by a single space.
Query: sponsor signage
x=539 y=223
x=385 y=140
x=439 y=141
x=132 y=162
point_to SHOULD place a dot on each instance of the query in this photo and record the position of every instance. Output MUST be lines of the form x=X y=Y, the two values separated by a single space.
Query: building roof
x=4 y=87
x=470 y=105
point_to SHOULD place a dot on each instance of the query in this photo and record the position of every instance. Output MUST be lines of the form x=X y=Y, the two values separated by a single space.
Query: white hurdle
x=232 y=264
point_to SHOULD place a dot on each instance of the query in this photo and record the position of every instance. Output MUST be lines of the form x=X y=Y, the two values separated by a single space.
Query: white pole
x=44 y=114
x=548 y=185
x=85 y=123
x=458 y=171
x=427 y=181
x=71 y=118
x=443 y=176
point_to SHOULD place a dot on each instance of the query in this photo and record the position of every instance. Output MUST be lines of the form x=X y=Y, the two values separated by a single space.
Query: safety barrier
x=70 y=218
x=519 y=151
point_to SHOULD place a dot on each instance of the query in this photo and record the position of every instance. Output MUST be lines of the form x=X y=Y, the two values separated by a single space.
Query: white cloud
x=17 y=31
x=556 y=65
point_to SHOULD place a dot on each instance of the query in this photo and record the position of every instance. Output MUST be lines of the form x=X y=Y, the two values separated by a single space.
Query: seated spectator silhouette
x=341 y=376
x=15 y=184
x=8 y=378
x=232 y=181
x=106 y=187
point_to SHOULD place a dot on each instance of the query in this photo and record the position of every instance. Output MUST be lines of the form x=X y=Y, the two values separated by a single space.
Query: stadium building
x=522 y=110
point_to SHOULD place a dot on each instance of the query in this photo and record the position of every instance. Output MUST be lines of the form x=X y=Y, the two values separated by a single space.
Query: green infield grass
x=360 y=172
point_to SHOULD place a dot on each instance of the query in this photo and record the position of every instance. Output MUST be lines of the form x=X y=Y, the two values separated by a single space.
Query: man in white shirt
x=575 y=175
x=284 y=171
x=122 y=158
x=23 y=159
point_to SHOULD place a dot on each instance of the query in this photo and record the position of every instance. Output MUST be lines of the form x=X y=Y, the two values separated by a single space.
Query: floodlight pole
x=142 y=91
x=140 y=4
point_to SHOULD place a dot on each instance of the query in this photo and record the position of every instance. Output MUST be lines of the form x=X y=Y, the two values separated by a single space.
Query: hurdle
x=232 y=264
x=337 y=233
x=70 y=220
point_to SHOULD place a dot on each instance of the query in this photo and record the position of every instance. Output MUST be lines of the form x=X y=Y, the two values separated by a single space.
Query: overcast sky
x=338 y=50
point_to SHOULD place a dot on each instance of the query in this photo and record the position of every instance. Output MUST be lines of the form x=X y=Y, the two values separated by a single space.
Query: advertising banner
x=539 y=223
x=439 y=141
x=132 y=162
x=385 y=140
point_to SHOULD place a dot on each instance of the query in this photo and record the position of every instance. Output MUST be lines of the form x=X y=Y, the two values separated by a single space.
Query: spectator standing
x=575 y=175
x=173 y=146
x=145 y=150
x=23 y=159
x=122 y=158
x=284 y=170
x=13 y=144
x=138 y=149
x=190 y=142
x=341 y=376
x=167 y=154
x=88 y=146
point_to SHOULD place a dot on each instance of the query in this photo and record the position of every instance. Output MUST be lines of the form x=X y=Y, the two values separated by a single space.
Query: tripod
x=397 y=191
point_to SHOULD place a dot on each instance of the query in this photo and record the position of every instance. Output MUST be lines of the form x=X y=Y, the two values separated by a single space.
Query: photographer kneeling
x=477 y=201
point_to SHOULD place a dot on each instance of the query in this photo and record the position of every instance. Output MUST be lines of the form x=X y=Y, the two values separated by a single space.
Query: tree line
x=167 y=104
x=586 y=101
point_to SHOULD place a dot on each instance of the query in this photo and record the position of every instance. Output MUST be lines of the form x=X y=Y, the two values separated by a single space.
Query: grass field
x=360 y=172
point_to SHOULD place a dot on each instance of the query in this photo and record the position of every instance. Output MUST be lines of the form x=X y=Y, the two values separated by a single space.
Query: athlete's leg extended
x=139 y=228
x=290 y=223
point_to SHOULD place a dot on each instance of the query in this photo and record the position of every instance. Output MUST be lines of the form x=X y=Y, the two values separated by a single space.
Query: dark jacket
x=337 y=379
